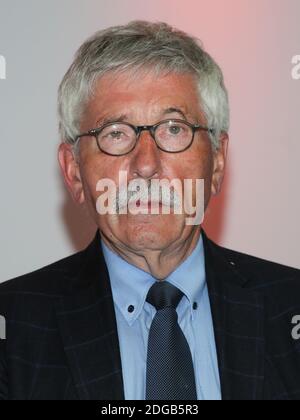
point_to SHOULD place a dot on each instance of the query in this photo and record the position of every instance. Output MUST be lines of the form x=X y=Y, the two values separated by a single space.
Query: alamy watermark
x=296 y=329
x=2 y=68
x=2 y=328
x=296 y=67
x=153 y=197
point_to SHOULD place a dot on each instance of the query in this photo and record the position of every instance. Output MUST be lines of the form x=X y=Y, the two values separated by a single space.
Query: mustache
x=145 y=192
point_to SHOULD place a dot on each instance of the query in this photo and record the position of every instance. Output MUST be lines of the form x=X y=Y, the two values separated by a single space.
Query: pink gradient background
x=253 y=41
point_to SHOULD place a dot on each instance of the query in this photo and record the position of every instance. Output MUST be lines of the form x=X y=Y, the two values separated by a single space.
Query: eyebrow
x=124 y=117
x=171 y=110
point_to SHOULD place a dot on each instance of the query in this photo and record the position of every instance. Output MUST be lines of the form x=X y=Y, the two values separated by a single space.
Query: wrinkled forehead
x=144 y=94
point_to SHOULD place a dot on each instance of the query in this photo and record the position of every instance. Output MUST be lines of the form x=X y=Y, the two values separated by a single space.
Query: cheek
x=198 y=165
x=195 y=163
x=91 y=173
x=90 y=177
x=93 y=168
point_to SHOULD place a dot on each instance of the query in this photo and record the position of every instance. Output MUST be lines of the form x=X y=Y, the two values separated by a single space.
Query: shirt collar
x=130 y=284
x=190 y=277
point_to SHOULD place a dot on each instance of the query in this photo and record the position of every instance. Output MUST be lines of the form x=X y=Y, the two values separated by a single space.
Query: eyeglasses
x=120 y=138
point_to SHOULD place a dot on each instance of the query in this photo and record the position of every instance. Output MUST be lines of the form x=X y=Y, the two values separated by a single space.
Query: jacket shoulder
x=50 y=280
x=259 y=272
x=277 y=283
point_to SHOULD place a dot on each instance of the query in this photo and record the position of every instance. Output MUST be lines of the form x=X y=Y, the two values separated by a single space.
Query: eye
x=175 y=129
x=116 y=134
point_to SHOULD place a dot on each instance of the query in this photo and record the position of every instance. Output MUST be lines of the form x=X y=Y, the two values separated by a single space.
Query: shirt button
x=130 y=309
x=195 y=306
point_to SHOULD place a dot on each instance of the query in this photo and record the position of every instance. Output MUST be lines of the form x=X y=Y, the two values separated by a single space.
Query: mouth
x=149 y=204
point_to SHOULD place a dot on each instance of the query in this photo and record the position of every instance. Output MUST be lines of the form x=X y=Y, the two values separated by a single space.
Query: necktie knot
x=164 y=295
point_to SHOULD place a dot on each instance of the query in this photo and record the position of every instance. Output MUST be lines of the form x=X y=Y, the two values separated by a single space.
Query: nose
x=146 y=159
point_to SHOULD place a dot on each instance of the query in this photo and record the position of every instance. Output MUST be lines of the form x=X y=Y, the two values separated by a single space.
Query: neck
x=160 y=264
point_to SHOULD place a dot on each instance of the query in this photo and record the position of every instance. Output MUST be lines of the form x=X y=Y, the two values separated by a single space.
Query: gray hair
x=136 y=46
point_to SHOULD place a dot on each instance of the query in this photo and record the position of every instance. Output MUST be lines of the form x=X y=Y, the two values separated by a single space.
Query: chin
x=150 y=237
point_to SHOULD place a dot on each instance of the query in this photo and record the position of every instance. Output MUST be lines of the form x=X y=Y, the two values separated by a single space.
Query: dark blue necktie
x=170 y=371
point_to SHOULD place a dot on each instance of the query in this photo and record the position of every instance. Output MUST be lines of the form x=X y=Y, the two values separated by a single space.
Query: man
x=152 y=309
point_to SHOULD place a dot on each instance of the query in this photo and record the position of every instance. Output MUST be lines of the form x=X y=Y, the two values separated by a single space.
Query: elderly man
x=152 y=309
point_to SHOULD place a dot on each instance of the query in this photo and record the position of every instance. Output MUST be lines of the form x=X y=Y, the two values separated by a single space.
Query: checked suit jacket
x=62 y=339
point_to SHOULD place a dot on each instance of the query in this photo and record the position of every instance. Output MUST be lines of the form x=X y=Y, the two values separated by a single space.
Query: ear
x=219 y=158
x=71 y=172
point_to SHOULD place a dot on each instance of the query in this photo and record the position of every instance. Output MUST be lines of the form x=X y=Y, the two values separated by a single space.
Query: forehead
x=144 y=95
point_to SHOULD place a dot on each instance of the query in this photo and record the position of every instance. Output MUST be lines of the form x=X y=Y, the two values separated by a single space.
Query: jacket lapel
x=238 y=316
x=88 y=328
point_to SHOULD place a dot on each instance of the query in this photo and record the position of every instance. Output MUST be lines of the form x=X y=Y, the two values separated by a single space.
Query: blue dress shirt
x=130 y=286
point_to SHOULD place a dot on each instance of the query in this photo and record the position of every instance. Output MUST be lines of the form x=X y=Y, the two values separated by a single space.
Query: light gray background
x=254 y=42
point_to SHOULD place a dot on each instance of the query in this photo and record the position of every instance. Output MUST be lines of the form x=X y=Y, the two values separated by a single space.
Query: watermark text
x=152 y=197
x=2 y=67
x=296 y=67
x=296 y=329
x=2 y=328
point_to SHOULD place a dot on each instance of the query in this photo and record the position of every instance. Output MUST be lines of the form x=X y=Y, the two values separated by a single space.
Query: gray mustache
x=166 y=196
